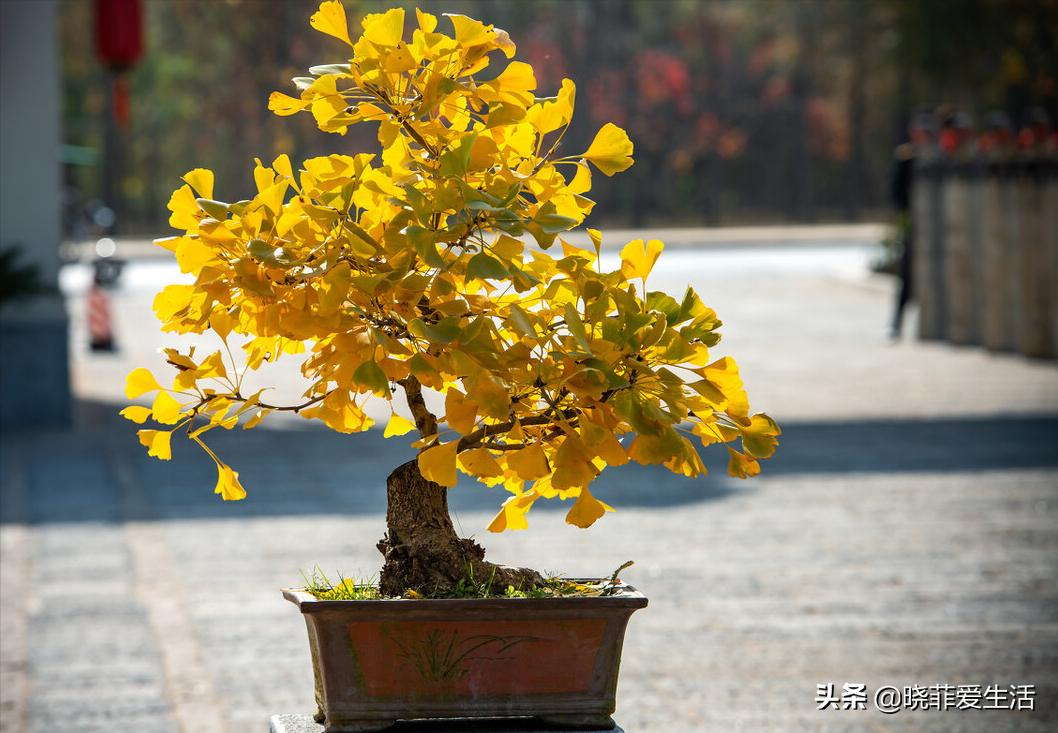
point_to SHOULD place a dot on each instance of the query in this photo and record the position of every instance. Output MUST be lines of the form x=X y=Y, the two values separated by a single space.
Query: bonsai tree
x=433 y=266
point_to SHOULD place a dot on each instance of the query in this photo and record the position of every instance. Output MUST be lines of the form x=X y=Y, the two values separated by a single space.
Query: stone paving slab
x=906 y=534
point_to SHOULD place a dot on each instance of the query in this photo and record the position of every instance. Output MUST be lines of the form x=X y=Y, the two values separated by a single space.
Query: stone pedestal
x=303 y=723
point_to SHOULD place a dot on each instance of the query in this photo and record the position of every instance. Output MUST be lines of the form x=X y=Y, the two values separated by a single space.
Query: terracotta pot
x=380 y=661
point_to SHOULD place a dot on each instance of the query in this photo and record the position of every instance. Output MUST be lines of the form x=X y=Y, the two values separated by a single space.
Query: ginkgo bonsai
x=426 y=268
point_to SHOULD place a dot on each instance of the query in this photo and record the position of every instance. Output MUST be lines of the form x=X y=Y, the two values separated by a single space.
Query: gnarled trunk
x=423 y=552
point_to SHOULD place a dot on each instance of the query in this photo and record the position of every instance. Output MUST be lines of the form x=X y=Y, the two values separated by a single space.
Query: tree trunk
x=423 y=552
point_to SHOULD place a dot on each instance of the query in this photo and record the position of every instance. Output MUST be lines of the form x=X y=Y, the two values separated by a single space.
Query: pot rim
x=625 y=596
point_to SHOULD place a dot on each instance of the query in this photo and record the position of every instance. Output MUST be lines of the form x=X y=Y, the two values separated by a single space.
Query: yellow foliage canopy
x=411 y=268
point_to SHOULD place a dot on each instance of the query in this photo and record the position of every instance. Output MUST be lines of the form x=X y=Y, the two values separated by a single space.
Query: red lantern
x=119 y=45
x=119 y=33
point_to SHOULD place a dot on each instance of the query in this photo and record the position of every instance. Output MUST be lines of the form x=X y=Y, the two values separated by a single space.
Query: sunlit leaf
x=140 y=381
x=573 y=465
x=220 y=322
x=469 y=32
x=741 y=466
x=479 y=462
x=586 y=510
x=384 y=29
x=759 y=439
x=529 y=463
x=491 y=396
x=611 y=150
x=460 y=411
x=443 y=332
x=604 y=444
x=166 y=410
x=512 y=515
x=157 y=442
x=228 y=485
x=637 y=259
x=438 y=464
x=369 y=375
x=285 y=105
x=596 y=240
x=201 y=179
x=136 y=413
x=398 y=425
x=483 y=266
x=330 y=19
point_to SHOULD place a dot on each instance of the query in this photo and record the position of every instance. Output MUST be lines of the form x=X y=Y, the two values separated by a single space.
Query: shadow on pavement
x=906 y=446
x=99 y=472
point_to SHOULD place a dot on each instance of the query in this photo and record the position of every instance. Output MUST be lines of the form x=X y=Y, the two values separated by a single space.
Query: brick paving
x=906 y=534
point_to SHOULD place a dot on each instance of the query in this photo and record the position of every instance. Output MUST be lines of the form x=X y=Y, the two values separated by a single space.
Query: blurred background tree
x=740 y=110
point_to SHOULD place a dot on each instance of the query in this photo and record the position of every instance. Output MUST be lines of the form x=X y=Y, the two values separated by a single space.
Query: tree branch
x=424 y=419
x=474 y=439
x=292 y=408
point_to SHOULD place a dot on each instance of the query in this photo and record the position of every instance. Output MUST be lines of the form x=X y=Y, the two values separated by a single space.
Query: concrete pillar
x=976 y=231
x=1036 y=295
x=34 y=373
x=928 y=250
x=958 y=273
x=1025 y=293
x=1051 y=237
x=997 y=324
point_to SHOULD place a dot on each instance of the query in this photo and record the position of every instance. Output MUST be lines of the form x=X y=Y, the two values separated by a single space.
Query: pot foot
x=358 y=726
x=580 y=722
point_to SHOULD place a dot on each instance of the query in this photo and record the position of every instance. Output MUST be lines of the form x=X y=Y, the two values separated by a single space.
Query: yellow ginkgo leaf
x=201 y=179
x=427 y=21
x=398 y=425
x=611 y=150
x=136 y=413
x=385 y=29
x=138 y=382
x=573 y=465
x=460 y=412
x=212 y=366
x=438 y=464
x=722 y=375
x=166 y=410
x=515 y=85
x=185 y=210
x=173 y=300
x=228 y=485
x=491 y=396
x=548 y=115
x=330 y=19
x=512 y=514
x=285 y=105
x=529 y=463
x=586 y=510
x=192 y=254
x=167 y=243
x=399 y=60
x=741 y=466
x=470 y=32
x=604 y=444
x=760 y=438
x=281 y=165
x=255 y=419
x=479 y=462
x=157 y=442
x=637 y=259
x=220 y=322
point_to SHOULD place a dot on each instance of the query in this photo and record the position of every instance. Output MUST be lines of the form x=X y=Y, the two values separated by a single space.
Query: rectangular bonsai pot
x=380 y=661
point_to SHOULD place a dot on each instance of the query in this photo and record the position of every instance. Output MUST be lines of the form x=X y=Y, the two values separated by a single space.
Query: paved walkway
x=906 y=534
